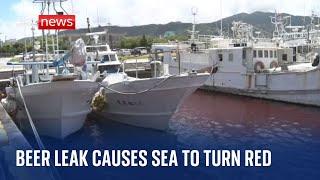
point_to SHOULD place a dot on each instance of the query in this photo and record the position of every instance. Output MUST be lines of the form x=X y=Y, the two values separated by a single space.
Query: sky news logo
x=57 y=22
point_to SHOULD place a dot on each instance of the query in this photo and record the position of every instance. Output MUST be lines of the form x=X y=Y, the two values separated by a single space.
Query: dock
x=11 y=139
x=6 y=74
x=6 y=71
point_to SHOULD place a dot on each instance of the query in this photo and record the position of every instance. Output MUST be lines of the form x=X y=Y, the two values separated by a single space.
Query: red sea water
x=209 y=120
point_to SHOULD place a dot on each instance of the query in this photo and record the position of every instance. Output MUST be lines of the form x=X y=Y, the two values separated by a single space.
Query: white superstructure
x=284 y=68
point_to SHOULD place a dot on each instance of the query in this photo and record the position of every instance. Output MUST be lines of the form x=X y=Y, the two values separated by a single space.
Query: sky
x=16 y=15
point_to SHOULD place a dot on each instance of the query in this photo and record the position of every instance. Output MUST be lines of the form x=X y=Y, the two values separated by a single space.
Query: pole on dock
x=35 y=76
x=136 y=68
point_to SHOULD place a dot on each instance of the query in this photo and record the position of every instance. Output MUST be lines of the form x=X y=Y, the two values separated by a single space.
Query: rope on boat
x=35 y=132
x=100 y=101
x=54 y=173
x=139 y=92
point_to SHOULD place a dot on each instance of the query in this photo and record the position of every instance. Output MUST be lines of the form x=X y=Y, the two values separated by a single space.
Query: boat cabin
x=101 y=58
x=248 y=59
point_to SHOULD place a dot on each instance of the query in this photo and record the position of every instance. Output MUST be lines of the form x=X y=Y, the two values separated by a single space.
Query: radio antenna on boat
x=194 y=11
x=193 y=32
x=279 y=22
x=88 y=25
x=98 y=18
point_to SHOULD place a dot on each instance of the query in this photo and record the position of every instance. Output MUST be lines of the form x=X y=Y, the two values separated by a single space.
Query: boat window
x=105 y=58
x=275 y=54
x=266 y=54
x=103 y=48
x=260 y=54
x=89 y=49
x=244 y=54
x=299 y=49
x=284 y=57
x=254 y=53
x=96 y=48
x=113 y=57
x=305 y=49
x=271 y=54
x=230 y=57
x=220 y=57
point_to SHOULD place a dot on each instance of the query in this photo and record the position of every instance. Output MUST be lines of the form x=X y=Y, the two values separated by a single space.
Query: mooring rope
x=54 y=173
x=134 y=93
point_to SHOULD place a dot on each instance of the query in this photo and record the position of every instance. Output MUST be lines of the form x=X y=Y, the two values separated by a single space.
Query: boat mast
x=35 y=75
x=221 y=27
x=45 y=6
x=88 y=23
x=193 y=33
x=46 y=39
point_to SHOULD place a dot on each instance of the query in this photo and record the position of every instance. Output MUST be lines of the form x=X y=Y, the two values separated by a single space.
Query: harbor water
x=208 y=120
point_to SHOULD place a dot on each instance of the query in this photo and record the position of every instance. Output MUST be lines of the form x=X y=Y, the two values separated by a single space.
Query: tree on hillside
x=144 y=41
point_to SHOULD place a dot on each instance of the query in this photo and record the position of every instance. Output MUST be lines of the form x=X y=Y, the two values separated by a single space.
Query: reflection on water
x=209 y=120
x=220 y=118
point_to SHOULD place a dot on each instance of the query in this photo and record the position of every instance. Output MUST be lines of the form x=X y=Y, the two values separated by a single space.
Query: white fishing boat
x=58 y=102
x=52 y=98
x=285 y=68
x=148 y=102
x=58 y=108
x=289 y=82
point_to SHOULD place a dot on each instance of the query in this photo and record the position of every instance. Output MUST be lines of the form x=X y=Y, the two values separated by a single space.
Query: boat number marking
x=129 y=103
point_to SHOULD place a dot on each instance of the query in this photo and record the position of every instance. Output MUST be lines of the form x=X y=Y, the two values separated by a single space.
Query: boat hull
x=154 y=108
x=58 y=109
x=299 y=87
x=304 y=97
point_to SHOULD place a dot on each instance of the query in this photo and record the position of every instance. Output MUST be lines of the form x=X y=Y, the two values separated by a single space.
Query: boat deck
x=295 y=68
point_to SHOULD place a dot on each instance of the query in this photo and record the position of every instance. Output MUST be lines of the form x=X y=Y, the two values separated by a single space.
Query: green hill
x=260 y=20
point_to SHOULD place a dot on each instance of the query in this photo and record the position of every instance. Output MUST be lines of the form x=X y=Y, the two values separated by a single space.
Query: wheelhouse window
x=254 y=53
x=260 y=54
x=271 y=54
x=102 y=48
x=284 y=57
x=105 y=58
x=89 y=49
x=244 y=54
x=113 y=57
x=299 y=49
x=306 y=49
x=220 y=57
x=96 y=48
x=266 y=54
